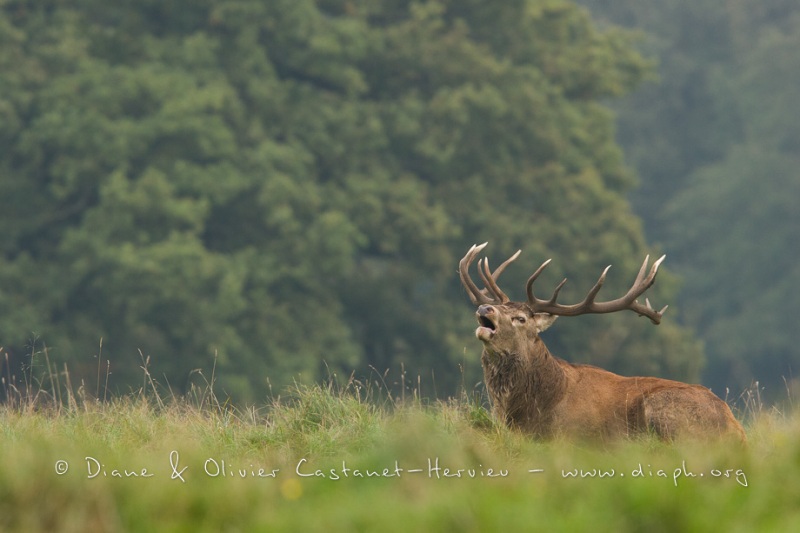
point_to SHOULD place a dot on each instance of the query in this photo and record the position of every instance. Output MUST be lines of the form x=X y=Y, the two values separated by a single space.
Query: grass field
x=347 y=459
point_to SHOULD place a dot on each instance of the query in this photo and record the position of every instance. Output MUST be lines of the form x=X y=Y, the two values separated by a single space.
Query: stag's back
x=603 y=404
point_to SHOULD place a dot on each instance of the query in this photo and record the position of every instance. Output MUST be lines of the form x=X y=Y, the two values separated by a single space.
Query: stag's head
x=510 y=327
x=507 y=327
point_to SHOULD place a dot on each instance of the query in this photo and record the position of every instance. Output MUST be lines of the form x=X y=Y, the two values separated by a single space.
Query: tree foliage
x=716 y=143
x=290 y=184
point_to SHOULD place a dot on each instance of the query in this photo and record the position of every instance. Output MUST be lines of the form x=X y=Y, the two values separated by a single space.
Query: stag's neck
x=517 y=381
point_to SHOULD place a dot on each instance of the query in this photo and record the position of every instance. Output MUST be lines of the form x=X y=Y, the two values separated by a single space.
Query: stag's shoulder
x=654 y=385
x=581 y=372
x=584 y=368
x=585 y=374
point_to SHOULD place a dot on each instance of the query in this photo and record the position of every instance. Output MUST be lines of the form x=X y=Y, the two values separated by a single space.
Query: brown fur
x=538 y=393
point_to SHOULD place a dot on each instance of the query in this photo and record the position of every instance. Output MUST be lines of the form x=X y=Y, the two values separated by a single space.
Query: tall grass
x=344 y=457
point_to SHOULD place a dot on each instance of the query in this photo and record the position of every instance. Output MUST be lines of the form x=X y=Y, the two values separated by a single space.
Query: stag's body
x=538 y=393
x=541 y=394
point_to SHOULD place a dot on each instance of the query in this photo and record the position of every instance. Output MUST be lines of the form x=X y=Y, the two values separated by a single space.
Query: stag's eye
x=519 y=319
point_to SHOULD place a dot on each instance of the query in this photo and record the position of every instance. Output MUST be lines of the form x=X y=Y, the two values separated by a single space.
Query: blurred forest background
x=283 y=188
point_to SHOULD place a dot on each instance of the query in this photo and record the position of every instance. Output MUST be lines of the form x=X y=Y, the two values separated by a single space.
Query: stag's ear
x=542 y=321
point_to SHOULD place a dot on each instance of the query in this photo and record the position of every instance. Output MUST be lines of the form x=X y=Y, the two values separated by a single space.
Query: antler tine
x=592 y=294
x=489 y=279
x=492 y=294
x=641 y=285
x=657 y=264
x=499 y=270
x=663 y=309
x=642 y=270
x=557 y=290
x=648 y=311
x=482 y=273
x=529 y=284
x=475 y=294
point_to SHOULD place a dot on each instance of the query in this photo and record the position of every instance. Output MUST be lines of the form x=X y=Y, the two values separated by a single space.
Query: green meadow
x=354 y=458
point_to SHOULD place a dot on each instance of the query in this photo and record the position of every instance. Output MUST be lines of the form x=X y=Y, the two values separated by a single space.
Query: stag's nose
x=485 y=310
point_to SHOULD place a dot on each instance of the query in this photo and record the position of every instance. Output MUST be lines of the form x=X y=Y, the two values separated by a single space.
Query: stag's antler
x=492 y=294
x=588 y=305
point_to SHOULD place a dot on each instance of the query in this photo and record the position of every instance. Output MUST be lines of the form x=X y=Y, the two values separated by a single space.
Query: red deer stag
x=538 y=393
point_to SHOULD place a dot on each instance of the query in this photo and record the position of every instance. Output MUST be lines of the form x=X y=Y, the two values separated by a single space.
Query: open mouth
x=486 y=323
x=486 y=328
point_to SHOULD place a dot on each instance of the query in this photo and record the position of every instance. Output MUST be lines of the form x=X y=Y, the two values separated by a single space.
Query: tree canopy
x=716 y=142
x=289 y=184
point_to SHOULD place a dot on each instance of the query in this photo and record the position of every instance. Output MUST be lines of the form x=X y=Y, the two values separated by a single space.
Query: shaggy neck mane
x=516 y=382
